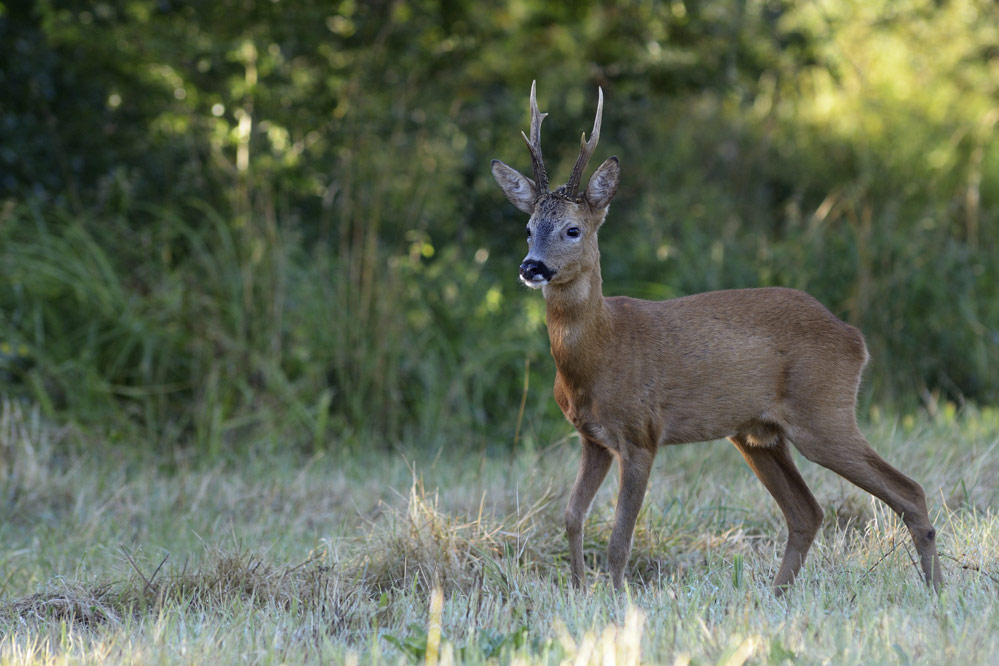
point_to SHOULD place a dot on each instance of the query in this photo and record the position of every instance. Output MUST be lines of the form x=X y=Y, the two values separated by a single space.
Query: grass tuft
x=421 y=546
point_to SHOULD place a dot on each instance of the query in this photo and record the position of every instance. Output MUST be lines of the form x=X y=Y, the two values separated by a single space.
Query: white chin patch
x=535 y=283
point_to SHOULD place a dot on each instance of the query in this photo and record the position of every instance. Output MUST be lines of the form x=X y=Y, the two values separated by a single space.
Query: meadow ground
x=443 y=557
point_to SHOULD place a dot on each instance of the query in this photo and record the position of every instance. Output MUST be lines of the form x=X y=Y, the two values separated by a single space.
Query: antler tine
x=586 y=148
x=534 y=143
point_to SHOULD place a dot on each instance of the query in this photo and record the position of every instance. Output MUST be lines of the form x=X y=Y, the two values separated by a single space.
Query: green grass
x=273 y=558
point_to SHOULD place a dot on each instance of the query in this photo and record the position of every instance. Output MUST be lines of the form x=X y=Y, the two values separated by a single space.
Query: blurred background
x=237 y=224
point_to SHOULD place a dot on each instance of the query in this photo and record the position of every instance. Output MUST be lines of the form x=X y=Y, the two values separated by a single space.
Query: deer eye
x=572 y=232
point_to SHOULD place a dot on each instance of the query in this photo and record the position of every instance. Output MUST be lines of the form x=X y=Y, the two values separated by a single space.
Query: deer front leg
x=634 y=466
x=593 y=468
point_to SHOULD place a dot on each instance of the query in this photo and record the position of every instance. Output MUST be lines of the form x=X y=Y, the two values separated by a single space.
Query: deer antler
x=586 y=149
x=534 y=143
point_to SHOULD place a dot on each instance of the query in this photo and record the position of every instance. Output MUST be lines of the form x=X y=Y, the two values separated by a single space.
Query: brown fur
x=762 y=367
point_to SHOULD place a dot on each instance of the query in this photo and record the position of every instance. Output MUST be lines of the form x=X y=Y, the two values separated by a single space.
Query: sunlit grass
x=275 y=558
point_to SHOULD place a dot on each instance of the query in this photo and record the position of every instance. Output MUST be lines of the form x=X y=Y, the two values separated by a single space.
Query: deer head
x=562 y=230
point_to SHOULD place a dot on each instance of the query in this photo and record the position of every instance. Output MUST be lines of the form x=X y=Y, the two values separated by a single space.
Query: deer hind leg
x=845 y=451
x=635 y=465
x=775 y=468
x=593 y=466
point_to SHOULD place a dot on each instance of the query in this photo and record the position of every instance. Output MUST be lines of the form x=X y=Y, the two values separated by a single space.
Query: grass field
x=108 y=557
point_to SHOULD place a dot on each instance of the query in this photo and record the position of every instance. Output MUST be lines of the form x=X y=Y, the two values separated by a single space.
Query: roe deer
x=762 y=367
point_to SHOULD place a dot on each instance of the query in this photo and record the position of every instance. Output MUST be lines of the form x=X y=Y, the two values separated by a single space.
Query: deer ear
x=519 y=189
x=603 y=184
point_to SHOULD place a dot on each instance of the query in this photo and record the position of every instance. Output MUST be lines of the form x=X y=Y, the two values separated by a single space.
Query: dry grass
x=425 y=547
x=115 y=559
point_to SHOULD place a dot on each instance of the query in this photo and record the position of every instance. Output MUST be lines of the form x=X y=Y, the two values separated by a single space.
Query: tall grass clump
x=197 y=328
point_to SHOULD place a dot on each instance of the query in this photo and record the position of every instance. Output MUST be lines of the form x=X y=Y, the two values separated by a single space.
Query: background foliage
x=272 y=222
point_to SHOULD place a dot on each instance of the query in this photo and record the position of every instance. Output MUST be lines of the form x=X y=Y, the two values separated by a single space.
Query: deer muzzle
x=535 y=273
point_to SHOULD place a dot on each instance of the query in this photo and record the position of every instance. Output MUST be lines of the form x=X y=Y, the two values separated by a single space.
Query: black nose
x=533 y=270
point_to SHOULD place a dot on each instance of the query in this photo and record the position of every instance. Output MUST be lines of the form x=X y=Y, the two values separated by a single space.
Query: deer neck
x=578 y=325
